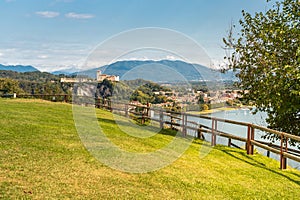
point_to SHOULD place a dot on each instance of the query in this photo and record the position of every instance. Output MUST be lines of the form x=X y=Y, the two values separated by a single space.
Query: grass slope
x=42 y=157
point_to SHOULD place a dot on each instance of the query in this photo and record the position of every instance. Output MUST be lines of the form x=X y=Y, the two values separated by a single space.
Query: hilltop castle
x=101 y=77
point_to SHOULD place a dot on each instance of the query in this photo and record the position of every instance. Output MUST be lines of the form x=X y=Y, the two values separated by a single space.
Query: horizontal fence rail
x=179 y=121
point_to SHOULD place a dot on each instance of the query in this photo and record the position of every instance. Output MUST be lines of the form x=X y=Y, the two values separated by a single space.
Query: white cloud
x=1 y=54
x=79 y=16
x=47 y=14
x=47 y=56
x=170 y=57
x=43 y=56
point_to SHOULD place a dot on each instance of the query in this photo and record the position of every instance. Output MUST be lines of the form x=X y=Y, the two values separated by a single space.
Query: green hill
x=42 y=157
x=34 y=76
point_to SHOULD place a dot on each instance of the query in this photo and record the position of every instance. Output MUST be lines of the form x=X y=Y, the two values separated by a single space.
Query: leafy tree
x=122 y=92
x=105 y=89
x=160 y=99
x=9 y=86
x=200 y=99
x=266 y=55
x=145 y=94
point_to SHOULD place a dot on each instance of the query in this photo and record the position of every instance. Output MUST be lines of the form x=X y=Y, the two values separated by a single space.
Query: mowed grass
x=42 y=157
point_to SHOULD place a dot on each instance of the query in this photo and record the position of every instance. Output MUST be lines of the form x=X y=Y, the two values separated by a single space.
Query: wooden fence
x=182 y=123
x=179 y=120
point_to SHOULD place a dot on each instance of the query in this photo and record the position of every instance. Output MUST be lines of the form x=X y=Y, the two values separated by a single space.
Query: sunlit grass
x=42 y=157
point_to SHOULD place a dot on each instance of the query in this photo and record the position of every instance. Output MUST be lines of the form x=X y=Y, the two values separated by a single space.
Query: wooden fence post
x=110 y=105
x=97 y=102
x=250 y=136
x=148 y=110
x=286 y=150
x=216 y=129
x=143 y=118
x=248 y=143
x=65 y=98
x=212 y=130
x=199 y=133
x=213 y=134
x=161 y=118
x=184 y=123
x=126 y=110
x=282 y=158
x=229 y=142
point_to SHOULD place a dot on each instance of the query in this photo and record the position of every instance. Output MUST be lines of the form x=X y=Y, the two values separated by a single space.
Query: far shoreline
x=211 y=111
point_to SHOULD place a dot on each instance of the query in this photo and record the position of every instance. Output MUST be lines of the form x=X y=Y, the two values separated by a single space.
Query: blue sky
x=55 y=34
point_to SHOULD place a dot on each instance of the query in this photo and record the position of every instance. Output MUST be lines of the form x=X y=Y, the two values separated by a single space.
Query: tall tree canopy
x=266 y=55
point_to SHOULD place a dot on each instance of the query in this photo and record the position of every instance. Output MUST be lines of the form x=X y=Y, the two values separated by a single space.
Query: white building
x=73 y=80
x=101 y=77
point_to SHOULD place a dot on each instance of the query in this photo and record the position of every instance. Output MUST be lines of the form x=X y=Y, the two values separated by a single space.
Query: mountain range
x=160 y=71
x=157 y=71
x=18 y=68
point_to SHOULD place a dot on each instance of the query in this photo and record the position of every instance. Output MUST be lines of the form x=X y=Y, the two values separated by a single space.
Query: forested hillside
x=32 y=83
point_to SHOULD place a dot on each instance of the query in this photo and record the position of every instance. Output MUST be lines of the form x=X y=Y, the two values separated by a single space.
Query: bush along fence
x=181 y=121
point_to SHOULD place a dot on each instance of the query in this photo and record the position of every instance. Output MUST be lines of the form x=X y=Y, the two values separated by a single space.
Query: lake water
x=241 y=115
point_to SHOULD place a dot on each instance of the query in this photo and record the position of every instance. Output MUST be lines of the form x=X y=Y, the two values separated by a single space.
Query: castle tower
x=99 y=75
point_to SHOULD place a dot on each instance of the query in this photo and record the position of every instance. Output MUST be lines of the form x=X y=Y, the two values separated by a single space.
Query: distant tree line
x=32 y=83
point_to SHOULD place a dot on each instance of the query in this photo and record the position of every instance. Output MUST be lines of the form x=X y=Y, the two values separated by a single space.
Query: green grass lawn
x=42 y=157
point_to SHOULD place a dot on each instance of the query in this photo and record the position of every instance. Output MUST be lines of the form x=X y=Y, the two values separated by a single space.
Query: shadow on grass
x=295 y=174
x=168 y=132
x=251 y=161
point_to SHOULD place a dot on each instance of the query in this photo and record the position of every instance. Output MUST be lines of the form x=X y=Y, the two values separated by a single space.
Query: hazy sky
x=54 y=34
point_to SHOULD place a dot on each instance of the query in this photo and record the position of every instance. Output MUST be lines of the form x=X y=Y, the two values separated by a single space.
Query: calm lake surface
x=241 y=115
